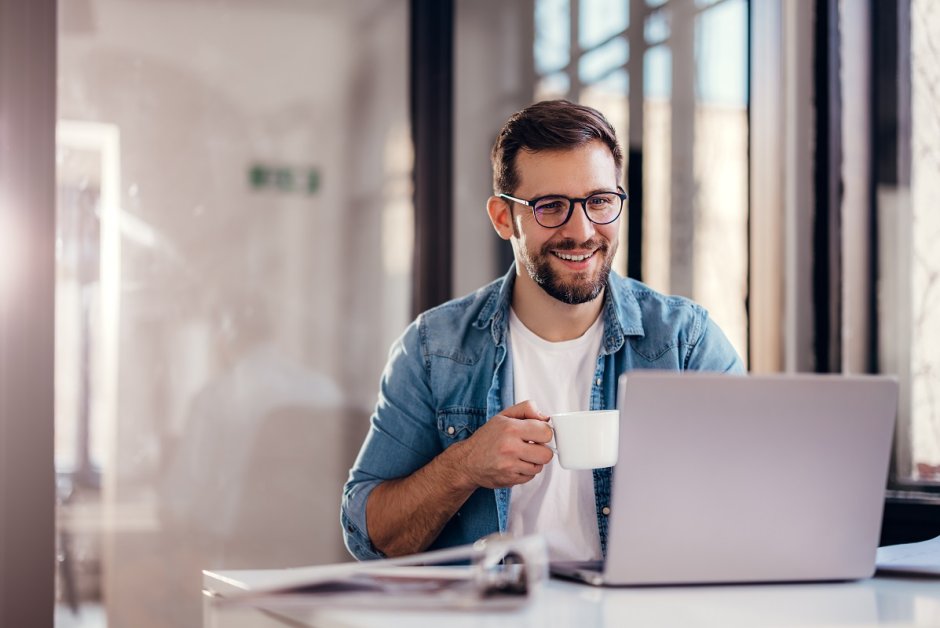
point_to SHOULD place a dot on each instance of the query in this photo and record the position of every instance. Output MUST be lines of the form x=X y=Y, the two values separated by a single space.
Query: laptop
x=735 y=479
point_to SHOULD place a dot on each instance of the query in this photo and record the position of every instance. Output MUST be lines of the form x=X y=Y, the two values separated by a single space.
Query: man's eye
x=600 y=201
x=550 y=206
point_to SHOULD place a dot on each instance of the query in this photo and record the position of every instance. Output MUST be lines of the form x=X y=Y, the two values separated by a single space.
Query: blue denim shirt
x=452 y=369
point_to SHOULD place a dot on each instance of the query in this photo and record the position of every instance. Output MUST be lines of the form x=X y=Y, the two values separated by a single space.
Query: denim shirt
x=452 y=369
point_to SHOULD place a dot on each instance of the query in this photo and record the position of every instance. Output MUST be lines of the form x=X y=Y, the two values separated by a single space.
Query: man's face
x=571 y=262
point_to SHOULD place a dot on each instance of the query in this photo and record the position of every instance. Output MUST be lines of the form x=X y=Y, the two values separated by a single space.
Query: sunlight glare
x=9 y=253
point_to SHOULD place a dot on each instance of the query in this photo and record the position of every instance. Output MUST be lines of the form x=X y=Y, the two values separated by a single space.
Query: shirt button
x=451 y=430
x=350 y=528
x=605 y=510
x=598 y=381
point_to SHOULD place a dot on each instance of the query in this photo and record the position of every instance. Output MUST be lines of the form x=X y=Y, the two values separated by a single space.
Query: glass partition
x=234 y=243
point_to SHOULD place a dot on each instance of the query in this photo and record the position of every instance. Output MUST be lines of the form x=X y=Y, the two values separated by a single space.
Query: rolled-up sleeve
x=402 y=436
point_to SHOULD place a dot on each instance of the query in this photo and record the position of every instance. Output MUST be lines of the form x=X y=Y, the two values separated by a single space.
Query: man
x=457 y=446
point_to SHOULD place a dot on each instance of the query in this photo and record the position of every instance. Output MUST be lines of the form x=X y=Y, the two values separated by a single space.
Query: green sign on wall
x=286 y=179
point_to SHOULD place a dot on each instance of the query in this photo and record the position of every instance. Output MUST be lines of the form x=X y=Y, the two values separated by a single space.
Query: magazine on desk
x=502 y=573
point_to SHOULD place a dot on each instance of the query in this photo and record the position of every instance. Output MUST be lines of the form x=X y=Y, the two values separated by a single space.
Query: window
x=907 y=184
x=672 y=79
x=923 y=256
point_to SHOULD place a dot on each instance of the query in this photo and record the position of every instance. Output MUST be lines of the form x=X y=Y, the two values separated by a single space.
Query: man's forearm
x=405 y=515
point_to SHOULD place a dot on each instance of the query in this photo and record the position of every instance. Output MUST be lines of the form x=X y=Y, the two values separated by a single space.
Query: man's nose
x=578 y=227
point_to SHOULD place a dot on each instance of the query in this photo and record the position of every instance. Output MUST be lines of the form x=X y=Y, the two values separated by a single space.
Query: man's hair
x=548 y=125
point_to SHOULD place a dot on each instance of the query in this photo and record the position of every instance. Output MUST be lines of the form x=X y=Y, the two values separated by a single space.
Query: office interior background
x=231 y=226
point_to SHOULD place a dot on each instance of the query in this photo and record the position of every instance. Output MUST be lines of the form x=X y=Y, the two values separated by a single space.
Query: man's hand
x=406 y=514
x=508 y=450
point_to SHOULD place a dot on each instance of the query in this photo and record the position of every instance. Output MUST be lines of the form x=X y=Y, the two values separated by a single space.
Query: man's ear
x=500 y=215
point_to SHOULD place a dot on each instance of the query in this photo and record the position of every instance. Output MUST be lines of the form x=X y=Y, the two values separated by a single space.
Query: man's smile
x=574 y=257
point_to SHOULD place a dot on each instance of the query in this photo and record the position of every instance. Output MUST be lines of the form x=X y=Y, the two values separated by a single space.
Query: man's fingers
x=535 y=431
x=529 y=470
x=537 y=454
x=524 y=410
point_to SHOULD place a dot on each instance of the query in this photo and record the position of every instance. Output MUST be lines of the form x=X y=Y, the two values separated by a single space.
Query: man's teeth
x=573 y=258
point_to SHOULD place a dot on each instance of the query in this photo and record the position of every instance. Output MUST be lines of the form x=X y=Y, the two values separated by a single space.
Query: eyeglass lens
x=601 y=209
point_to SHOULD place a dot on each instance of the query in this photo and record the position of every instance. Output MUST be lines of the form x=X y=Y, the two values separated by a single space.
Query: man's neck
x=549 y=318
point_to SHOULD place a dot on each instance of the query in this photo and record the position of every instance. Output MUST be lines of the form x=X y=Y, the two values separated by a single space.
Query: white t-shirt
x=557 y=503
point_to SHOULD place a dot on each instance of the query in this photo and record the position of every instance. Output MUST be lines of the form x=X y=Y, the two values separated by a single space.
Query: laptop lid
x=748 y=478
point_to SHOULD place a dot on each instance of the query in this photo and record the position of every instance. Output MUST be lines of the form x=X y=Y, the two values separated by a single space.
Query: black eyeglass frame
x=571 y=203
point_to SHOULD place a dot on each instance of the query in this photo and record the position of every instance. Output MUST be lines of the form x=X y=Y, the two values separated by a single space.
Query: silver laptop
x=746 y=479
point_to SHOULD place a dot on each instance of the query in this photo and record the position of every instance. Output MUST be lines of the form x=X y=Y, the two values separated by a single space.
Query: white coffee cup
x=587 y=440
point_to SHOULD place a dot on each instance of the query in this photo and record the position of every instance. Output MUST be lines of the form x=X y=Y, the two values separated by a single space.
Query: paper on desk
x=502 y=575
x=914 y=558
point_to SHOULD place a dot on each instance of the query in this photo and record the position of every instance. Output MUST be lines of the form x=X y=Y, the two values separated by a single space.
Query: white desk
x=881 y=601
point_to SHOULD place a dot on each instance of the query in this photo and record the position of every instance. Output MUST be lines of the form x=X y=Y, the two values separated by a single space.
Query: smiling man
x=457 y=446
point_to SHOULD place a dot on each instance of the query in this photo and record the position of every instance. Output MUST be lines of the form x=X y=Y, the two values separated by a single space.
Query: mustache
x=569 y=244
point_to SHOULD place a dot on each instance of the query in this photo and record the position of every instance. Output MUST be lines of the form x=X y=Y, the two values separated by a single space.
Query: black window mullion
x=432 y=115
x=634 y=141
x=827 y=229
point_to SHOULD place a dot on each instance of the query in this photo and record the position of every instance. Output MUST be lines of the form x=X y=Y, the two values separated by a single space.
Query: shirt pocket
x=457 y=424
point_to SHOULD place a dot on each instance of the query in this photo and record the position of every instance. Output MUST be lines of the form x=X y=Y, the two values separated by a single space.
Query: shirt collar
x=495 y=312
x=621 y=312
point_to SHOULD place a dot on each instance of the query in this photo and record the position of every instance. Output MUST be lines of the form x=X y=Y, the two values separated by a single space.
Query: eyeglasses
x=554 y=211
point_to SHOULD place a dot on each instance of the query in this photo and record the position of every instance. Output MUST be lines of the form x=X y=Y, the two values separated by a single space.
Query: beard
x=581 y=288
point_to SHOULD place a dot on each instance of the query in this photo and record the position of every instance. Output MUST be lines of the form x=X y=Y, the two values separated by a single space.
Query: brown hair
x=548 y=125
